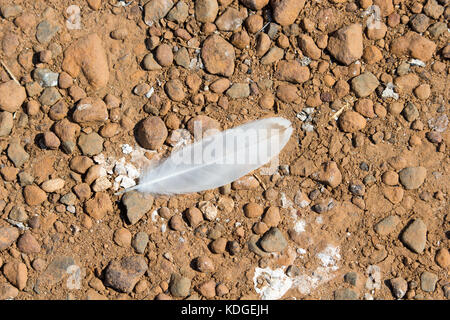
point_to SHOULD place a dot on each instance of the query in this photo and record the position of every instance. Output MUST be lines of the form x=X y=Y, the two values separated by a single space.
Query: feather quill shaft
x=217 y=160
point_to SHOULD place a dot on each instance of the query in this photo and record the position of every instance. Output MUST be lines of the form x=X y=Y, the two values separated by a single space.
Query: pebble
x=415 y=236
x=45 y=31
x=194 y=216
x=273 y=55
x=7 y=291
x=34 y=195
x=201 y=126
x=16 y=273
x=53 y=185
x=218 y=245
x=6 y=123
x=179 y=286
x=390 y=178
x=240 y=39
x=80 y=164
x=442 y=258
x=204 y=264
x=428 y=281
x=254 y=4
x=351 y=121
x=351 y=278
x=218 y=56
x=414 y=45
x=239 y=91
x=330 y=174
x=12 y=96
x=49 y=96
x=8 y=235
x=11 y=11
x=346 y=45
x=230 y=20
x=151 y=133
x=208 y=209
x=292 y=71
x=272 y=217
x=119 y=34
x=136 y=205
x=419 y=23
x=273 y=241
x=58 y=111
x=345 y=294
x=262 y=44
x=179 y=12
x=387 y=225
x=399 y=287
x=285 y=12
x=309 y=47
x=254 y=23
x=27 y=243
x=364 y=84
x=90 y=110
x=98 y=206
x=393 y=194
x=124 y=274
x=149 y=63
x=154 y=10
x=410 y=112
x=412 y=177
x=287 y=92
x=88 y=56
x=207 y=289
x=122 y=237
x=253 y=210
x=90 y=144
x=56 y=270
x=175 y=90
x=140 y=241
x=206 y=10
x=164 y=55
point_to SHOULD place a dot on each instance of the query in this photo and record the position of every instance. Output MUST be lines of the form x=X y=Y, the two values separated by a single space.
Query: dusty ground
x=64 y=234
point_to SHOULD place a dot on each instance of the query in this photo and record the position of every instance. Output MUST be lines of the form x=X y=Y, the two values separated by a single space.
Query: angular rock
x=273 y=241
x=136 y=205
x=124 y=274
x=292 y=71
x=179 y=286
x=27 y=243
x=45 y=31
x=239 y=91
x=230 y=20
x=154 y=10
x=90 y=110
x=415 y=236
x=364 y=84
x=6 y=123
x=399 y=287
x=428 y=281
x=90 y=144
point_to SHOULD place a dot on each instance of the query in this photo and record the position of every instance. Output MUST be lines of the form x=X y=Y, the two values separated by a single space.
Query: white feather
x=215 y=161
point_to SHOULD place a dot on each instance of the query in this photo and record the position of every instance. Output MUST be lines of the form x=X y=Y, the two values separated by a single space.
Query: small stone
x=387 y=225
x=390 y=178
x=207 y=289
x=219 y=245
x=80 y=164
x=230 y=20
x=16 y=273
x=8 y=235
x=6 y=123
x=292 y=71
x=254 y=23
x=262 y=44
x=151 y=133
x=201 y=126
x=50 y=140
x=34 y=195
x=285 y=12
x=124 y=274
x=208 y=210
x=179 y=286
x=393 y=194
x=179 y=12
x=272 y=217
x=154 y=10
x=412 y=177
x=406 y=83
x=239 y=91
x=175 y=90
x=98 y=206
x=10 y=11
x=27 y=243
x=273 y=55
x=240 y=39
x=419 y=22
x=351 y=278
x=346 y=45
x=206 y=10
x=287 y=92
x=253 y=210
x=273 y=241
x=90 y=144
x=414 y=45
x=136 y=205
x=164 y=55
x=12 y=96
x=50 y=96
x=140 y=242
x=364 y=84
x=194 y=217
x=88 y=56
x=345 y=294
x=204 y=264
x=372 y=55
x=149 y=63
x=309 y=47
x=218 y=56
x=58 y=111
x=53 y=185
x=45 y=31
x=8 y=292
x=90 y=110
x=330 y=174
x=428 y=281
x=442 y=258
x=399 y=287
x=351 y=121
x=415 y=236
x=122 y=237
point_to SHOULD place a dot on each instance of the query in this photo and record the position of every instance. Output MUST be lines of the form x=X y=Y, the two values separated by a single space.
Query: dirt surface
x=357 y=209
